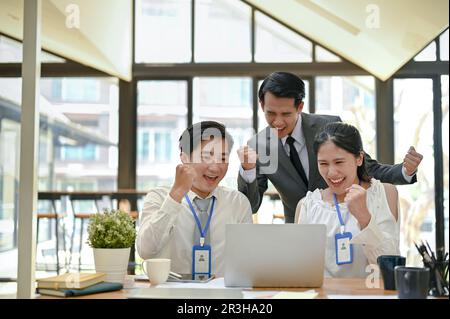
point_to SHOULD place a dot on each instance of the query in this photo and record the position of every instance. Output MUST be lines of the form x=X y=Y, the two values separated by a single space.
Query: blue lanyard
x=338 y=210
x=205 y=230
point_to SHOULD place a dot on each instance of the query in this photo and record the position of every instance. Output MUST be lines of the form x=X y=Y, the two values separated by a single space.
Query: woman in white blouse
x=360 y=213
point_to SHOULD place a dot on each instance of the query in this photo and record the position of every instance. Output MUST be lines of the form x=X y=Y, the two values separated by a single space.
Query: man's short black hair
x=205 y=130
x=283 y=84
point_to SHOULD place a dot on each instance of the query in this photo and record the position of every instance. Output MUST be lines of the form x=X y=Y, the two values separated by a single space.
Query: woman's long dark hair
x=344 y=136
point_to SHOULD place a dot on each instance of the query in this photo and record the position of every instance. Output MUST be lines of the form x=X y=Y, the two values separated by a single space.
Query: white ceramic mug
x=156 y=269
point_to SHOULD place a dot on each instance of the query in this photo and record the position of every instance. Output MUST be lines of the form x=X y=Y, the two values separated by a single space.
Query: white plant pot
x=113 y=262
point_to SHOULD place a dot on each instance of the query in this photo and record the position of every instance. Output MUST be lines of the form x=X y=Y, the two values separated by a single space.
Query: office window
x=222 y=31
x=79 y=183
x=353 y=99
x=11 y=52
x=9 y=181
x=427 y=54
x=10 y=89
x=214 y=95
x=80 y=132
x=276 y=43
x=143 y=145
x=78 y=153
x=162 y=117
x=76 y=90
x=162 y=95
x=80 y=90
x=221 y=92
x=78 y=144
x=417 y=203
x=163 y=31
x=443 y=46
x=163 y=147
x=156 y=145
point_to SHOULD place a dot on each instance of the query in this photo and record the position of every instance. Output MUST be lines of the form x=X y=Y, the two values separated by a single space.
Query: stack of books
x=75 y=284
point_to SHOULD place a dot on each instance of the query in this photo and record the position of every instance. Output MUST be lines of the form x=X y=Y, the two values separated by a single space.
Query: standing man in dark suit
x=283 y=154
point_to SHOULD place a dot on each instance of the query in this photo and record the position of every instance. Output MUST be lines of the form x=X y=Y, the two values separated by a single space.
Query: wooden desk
x=121 y=193
x=331 y=286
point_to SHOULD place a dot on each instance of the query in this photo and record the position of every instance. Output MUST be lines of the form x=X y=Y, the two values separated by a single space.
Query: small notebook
x=71 y=281
x=94 y=289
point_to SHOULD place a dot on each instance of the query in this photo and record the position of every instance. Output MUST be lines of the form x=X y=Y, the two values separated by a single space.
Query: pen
x=418 y=249
x=424 y=253
x=432 y=253
x=174 y=274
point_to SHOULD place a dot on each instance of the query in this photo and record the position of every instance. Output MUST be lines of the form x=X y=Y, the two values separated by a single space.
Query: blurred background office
x=110 y=117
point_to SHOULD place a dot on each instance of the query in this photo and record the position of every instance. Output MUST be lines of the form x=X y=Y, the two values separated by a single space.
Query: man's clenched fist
x=248 y=157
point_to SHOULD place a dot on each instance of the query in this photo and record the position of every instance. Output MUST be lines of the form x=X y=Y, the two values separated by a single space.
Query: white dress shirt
x=167 y=227
x=379 y=237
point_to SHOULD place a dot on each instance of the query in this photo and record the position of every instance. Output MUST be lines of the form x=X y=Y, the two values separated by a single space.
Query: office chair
x=50 y=215
x=82 y=217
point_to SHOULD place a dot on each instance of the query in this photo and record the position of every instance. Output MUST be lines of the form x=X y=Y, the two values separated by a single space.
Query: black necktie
x=295 y=159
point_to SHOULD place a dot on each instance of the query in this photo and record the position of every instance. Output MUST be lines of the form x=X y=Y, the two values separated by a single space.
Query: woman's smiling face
x=338 y=167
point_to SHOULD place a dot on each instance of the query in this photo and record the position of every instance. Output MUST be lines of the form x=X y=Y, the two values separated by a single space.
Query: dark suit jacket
x=286 y=179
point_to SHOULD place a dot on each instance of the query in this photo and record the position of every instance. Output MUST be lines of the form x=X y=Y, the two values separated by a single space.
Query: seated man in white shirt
x=186 y=222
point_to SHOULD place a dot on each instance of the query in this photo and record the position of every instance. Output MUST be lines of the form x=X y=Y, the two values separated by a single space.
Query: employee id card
x=201 y=262
x=343 y=248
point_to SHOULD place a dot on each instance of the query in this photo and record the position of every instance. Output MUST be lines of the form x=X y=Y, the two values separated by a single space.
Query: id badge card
x=201 y=262
x=343 y=248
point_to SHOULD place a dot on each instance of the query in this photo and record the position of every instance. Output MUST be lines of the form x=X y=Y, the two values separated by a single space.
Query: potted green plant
x=111 y=235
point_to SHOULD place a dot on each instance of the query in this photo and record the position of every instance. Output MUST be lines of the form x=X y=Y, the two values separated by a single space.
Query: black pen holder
x=438 y=278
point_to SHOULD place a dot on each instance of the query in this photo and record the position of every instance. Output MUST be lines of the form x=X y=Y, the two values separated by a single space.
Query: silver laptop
x=267 y=255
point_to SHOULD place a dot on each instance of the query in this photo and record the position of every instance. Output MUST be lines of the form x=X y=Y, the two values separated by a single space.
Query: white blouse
x=379 y=237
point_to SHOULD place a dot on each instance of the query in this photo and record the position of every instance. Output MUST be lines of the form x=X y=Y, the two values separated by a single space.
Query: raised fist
x=248 y=157
x=184 y=177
